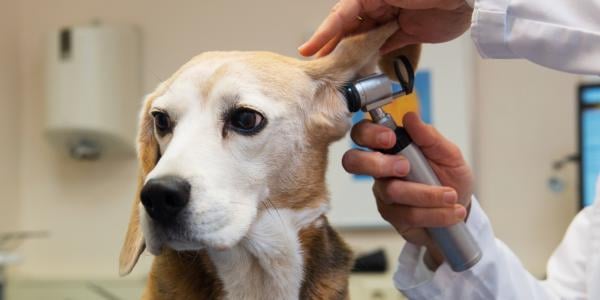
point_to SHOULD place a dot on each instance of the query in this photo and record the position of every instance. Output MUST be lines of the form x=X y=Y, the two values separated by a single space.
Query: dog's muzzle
x=165 y=197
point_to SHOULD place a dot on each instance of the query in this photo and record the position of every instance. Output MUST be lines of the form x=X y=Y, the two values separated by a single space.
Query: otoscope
x=370 y=94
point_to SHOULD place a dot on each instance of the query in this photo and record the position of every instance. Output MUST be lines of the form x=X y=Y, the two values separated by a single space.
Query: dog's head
x=232 y=130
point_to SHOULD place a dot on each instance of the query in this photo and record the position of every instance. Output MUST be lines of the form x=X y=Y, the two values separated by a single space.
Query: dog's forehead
x=275 y=76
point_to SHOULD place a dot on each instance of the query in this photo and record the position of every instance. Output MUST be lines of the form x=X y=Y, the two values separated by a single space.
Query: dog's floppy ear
x=148 y=155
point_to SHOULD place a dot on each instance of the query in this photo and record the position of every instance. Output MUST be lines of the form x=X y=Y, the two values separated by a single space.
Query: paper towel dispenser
x=93 y=90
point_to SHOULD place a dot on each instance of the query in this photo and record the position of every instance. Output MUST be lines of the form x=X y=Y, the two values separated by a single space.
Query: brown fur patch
x=207 y=86
x=327 y=263
x=183 y=276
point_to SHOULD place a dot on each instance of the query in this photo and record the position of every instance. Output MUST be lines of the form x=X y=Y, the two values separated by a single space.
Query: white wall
x=526 y=120
x=9 y=116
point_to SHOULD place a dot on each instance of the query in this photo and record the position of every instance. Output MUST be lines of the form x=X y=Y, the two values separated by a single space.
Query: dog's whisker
x=267 y=207
x=276 y=212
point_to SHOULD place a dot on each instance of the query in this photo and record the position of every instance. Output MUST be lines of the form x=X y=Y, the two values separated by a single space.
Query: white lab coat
x=573 y=270
x=560 y=34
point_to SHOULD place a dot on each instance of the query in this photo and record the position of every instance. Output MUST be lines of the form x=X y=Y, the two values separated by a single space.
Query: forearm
x=499 y=274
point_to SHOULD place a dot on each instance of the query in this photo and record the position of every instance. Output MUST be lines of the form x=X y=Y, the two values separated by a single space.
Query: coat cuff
x=416 y=281
x=488 y=28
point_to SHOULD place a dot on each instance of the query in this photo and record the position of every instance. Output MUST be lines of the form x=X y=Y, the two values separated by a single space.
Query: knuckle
x=409 y=26
x=380 y=165
x=434 y=197
x=390 y=191
x=454 y=150
x=412 y=218
x=445 y=218
x=357 y=132
x=435 y=133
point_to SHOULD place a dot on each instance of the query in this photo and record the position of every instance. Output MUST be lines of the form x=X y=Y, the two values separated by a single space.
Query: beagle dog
x=232 y=195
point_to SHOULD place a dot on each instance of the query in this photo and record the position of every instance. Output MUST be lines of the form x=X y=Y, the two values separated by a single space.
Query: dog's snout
x=165 y=197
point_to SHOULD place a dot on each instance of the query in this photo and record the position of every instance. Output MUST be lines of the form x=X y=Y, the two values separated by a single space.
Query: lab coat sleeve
x=498 y=275
x=559 y=34
x=567 y=268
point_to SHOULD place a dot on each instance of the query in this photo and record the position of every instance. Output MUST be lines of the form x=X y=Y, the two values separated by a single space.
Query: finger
x=329 y=46
x=399 y=192
x=340 y=20
x=367 y=24
x=404 y=217
x=434 y=145
x=371 y=135
x=374 y=164
x=415 y=236
x=414 y=4
x=398 y=40
x=425 y=4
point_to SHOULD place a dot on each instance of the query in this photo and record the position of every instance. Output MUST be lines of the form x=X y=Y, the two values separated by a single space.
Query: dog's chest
x=282 y=257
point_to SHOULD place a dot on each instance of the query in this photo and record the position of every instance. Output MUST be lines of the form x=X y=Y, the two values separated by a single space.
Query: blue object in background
x=423 y=88
x=589 y=142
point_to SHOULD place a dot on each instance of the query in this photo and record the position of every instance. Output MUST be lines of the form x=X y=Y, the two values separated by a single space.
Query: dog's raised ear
x=357 y=56
x=354 y=57
x=148 y=155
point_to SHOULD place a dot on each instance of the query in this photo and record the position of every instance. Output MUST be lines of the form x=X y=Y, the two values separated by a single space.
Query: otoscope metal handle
x=456 y=242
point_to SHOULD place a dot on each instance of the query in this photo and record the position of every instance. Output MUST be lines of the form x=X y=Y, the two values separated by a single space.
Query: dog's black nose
x=165 y=197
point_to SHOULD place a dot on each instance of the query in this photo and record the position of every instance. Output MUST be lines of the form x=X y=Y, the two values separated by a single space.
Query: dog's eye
x=246 y=121
x=162 y=122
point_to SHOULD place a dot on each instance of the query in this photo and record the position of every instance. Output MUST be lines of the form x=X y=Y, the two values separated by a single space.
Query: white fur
x=268 y=263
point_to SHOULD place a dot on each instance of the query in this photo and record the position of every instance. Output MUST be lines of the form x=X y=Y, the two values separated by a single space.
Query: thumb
x=434 y=145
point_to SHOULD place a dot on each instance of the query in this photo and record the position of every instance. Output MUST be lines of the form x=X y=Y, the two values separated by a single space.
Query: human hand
x=408 y=206
x=420 y=21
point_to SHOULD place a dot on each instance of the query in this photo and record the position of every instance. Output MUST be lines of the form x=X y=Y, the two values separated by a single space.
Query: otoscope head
x=377 y=90
x=352 y=97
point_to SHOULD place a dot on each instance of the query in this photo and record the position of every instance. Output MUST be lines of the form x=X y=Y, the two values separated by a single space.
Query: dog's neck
x=287 y=254
x=268 y=263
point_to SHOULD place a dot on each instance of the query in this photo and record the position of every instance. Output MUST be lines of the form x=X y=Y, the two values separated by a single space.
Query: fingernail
x=450 y=197
x=460 y=212
x=401 y=168
x=384 y=139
